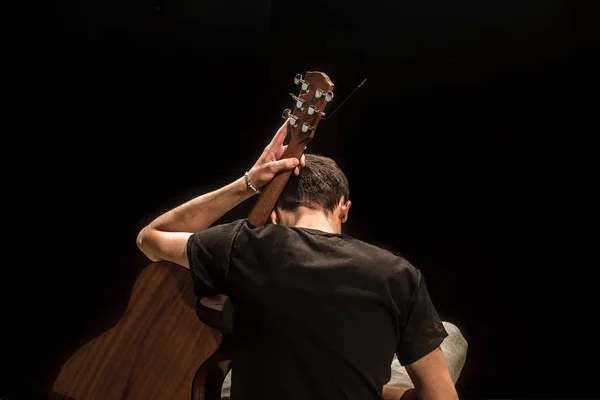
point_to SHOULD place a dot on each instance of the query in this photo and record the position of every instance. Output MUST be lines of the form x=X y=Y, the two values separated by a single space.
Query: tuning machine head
x=313 y=109
x=306 y=127
x=287 y=113
x=299 y=101
x=298 y=80
x=328 y=95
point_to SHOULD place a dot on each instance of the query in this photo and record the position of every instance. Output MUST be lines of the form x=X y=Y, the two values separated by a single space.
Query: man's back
x=317 y=315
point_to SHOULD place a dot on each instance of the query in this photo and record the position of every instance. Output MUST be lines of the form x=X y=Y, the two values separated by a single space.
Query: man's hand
x=270 y=162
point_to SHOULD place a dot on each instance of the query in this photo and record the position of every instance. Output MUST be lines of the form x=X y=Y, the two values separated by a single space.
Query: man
x=318 y=314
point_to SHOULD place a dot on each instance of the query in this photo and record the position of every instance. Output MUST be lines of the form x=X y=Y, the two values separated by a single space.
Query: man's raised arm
x=165 y=238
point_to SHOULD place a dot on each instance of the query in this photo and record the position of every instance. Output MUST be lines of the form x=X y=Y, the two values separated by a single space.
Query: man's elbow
x=144 y=244
x=140 y=240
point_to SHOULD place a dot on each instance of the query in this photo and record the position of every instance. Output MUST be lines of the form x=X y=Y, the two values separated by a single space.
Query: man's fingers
x=280 y=135
x=285 y=164
x=302 y=164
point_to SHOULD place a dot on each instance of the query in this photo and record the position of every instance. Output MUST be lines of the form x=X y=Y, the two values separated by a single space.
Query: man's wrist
x=249 y=183
x=243 y=188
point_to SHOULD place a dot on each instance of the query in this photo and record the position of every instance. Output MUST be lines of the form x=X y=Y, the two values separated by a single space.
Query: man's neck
x=314 y=224
x=311 y=219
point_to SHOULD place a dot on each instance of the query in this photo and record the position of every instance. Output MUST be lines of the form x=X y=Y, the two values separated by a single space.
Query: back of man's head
x=320 y=184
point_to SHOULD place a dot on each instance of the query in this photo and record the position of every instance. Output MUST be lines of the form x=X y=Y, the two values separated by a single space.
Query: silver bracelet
x=248 y=182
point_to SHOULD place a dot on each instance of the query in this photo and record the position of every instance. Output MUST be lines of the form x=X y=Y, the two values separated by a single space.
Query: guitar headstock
x=316 y=90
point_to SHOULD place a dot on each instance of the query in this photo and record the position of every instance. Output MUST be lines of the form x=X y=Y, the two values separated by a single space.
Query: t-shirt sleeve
x=421 y=329
x=208 y=254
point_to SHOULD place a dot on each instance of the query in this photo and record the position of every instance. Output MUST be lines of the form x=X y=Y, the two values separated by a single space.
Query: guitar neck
x=316 y=91
x=270 y=194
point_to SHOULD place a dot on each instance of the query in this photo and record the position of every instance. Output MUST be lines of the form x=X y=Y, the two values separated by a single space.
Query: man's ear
x=274 y=217
x=344 y=211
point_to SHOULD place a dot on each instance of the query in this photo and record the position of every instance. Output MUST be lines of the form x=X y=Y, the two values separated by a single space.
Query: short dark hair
x=321 y=183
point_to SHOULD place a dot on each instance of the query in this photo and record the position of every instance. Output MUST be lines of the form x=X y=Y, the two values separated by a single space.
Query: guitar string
x=346 y=99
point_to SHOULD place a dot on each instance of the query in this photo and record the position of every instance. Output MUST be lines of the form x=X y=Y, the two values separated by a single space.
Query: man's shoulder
x=388 y=261
x=381 y=251
x=231 y=226
x=218 y=232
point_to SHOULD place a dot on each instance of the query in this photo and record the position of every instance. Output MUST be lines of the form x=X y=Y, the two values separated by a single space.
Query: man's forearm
x=202 y=211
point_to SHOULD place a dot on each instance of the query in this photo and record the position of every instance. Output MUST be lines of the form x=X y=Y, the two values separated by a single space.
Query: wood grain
x=152 y=353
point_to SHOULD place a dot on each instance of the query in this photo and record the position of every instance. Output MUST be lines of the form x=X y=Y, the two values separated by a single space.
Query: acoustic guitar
x=168 y=342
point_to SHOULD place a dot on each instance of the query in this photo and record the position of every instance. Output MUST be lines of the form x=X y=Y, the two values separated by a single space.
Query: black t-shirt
x=316 y=315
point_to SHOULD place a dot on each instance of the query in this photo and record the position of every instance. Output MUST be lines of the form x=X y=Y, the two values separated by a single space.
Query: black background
x=468 y=150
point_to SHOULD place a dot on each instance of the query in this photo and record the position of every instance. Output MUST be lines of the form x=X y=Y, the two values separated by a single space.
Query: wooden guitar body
x=152 y=353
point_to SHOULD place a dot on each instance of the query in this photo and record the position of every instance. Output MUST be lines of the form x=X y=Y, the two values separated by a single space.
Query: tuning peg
x=313 y=109
x=298 y=79
x=299 y=101
x=287 y=113
x=328 y=95
x=306 y=128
